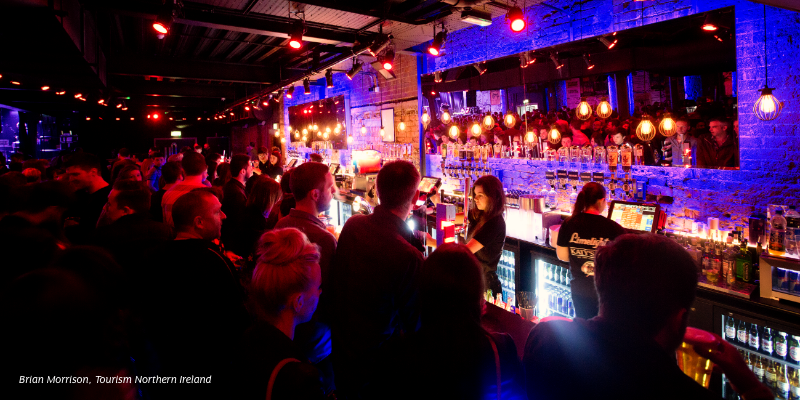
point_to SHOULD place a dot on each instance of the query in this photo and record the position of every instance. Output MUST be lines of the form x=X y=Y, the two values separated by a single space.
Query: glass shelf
x=788 y=362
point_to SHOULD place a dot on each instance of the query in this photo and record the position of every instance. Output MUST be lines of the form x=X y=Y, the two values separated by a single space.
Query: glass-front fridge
x=771 y=350
x=549 y=282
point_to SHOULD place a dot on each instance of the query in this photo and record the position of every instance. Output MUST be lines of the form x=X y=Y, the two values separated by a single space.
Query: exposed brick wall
x=365 y=106
x=770 y=151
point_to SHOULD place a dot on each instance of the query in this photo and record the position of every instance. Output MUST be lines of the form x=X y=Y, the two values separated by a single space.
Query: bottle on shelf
x=777 y=233
x=781 y=382
x=729 y=264
x=794 y=383
x=771 y=375
x=741 y=333
x=730 y=329
x=753 y=341
x=767 y=341
x=781 y=345
x=794 y=349
x=759 y=369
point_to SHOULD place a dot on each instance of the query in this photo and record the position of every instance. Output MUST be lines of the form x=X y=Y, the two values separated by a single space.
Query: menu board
x=633 y=216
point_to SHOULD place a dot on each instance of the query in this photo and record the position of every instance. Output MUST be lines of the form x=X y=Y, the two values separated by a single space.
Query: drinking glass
x=690 y=362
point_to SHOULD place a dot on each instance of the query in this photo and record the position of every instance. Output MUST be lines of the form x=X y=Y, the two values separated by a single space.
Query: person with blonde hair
x=284 y=292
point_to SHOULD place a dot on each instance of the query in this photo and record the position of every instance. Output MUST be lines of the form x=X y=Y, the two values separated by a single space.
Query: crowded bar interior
x=467 y=199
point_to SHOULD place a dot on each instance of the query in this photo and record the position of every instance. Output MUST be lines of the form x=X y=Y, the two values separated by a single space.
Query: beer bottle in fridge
x=741 y=333
x=752 y=337
x=794 y=384
x=794 y=349
x=782 y=382
x=781 y=346
x=758 y=369
x=771 y=375
x=767 y=341
x=730 y=329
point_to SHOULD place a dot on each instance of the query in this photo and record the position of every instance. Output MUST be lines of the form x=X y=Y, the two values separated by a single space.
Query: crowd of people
x=711 y=132
x=234 y=284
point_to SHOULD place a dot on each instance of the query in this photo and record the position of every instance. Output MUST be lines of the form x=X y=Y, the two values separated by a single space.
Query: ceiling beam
x=190 y=69
x=138 y=86
x=233 y=20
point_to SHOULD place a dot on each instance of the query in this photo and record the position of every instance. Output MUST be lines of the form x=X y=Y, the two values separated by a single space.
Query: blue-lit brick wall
x=692 y=87
x=399 y=94
x=770 y=151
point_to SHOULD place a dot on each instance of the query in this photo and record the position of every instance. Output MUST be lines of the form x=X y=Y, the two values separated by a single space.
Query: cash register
x=637 y=217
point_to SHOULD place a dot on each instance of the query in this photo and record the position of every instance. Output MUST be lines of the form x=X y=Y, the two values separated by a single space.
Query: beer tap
x=613 y=161
x=628 y=185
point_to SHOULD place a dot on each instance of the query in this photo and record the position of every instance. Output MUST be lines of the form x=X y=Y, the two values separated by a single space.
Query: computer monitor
x=636 y=217
x=428 y=184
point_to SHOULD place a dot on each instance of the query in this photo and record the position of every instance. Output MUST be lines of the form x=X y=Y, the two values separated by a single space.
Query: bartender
x=269 y=164
x=486 y=233
x=578 y=238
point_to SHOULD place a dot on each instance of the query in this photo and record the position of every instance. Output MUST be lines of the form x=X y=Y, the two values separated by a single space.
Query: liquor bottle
x=758 y=369
x=752 y=337
x=781 y=346
x=743 y=262
x=729 y=264
x=741 y=333
x=716 y=260
x=749 y=359
x=794 y=349
x=782 y=382
x=730 y=329
x=565 y=277
x=706 y=255
x=767 y=341
x=777 y=233
x=771 y=375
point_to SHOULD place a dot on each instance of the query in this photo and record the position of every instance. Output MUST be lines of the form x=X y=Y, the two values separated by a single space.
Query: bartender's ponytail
x=589 y=195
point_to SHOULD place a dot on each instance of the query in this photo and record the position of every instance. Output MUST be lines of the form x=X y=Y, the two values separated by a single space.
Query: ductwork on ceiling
x=466 y=3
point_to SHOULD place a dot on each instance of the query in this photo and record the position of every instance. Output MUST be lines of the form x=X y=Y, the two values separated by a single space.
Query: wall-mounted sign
x=175 y=133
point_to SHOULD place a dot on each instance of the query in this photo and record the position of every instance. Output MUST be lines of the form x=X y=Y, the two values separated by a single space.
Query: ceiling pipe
x=466 y=3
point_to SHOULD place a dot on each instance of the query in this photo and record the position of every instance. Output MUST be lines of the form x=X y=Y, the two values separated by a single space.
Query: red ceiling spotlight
x=433 y=93
x=45 y=87
x=61 y=92
x=88 y=118
x=156 y=116
x=198 y=118
x=247 y=108
x=290 y=92
x=15 y=83
x=78 y=95
x=117 y=118
x=517 y=19
x=164 y=19
x=609 y=43
x=231 y=114
x=435 y=49
x=131 y=118
x=82 y=98
x=170 y=118
x=388 y=60
x=148 y=116
x=710 y=24
x=101 y=101
x=296 y=35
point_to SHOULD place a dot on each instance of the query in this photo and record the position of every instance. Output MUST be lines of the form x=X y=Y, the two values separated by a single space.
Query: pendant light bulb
x=454 y=132
x=349 y=140
x=529 y=137
x=584 y=110
x=363 y=130
x=667 y=126
x=554 y=136
x=425 y=117
x=646 y=131
x=476 y=129
x=767 y=107
x=488 y=122
x=604 y=109
x=401 y=126
x=445 y=117
x=509 y=120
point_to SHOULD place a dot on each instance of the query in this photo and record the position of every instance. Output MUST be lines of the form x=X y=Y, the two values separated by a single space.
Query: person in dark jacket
x=719 y=149
x=375 y=281
x=452 y=356
x=264 y=194
x=130 y=233
x=234 y=200
x=646 y=284
x=270 y=164
x=287 y=203
x=171 y=173
x=284 y=292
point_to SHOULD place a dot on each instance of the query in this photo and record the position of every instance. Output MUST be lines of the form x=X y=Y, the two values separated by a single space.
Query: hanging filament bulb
x=305 y=132
x=530 y=137
x=604 y=109
x=316 y=127
x=488 y=122
x=297 y=134
x=283 y=140
x=338 y=126
x=453 y=132
x=445 y=117
x=277 y=134
x=363 y=130
x=325 y=136
x=476 y=129
x=327 y=129
x=401 y=126
x=337 y=130
x=509 y=120
x=554 y=136
x=667 y=126
x=349 y=140
x=425 y=117
x=646 y=131
x=383 y=132
x=584 y=110
x=767 y=107
x=289 y=128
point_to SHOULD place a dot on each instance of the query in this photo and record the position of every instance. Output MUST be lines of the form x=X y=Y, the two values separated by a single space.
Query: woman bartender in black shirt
x=578 y=238
x=487 y=228
x=270 y=165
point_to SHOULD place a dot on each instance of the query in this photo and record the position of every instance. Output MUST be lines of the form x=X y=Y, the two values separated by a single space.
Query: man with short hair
x=91 y=191
x=153 y=174
x=313 y=187
x=314 y=157
x=719 y=149
x=646 y=286
x=172 y=173
x=148 y=162
x=122 y=161
x=196 y=171
x=191 y=300
x=374 y=274
x=678 y=141
x=234 y=200
x=129 y=224
x=578 y=137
